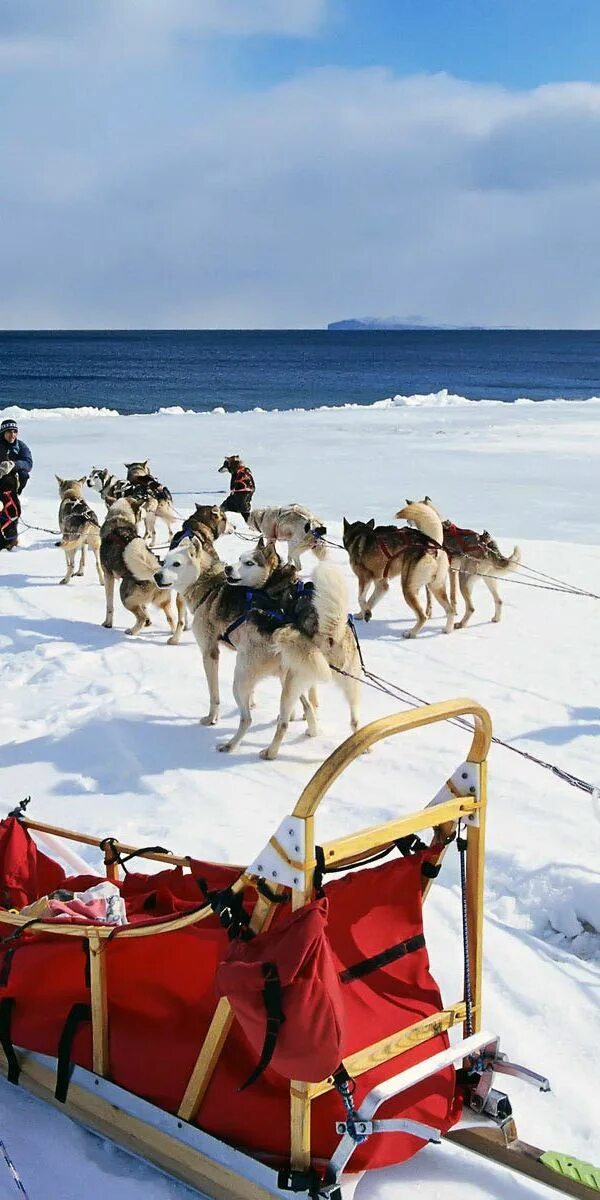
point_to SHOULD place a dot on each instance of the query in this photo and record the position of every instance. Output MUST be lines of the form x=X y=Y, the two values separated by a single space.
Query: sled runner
x=271 y=1028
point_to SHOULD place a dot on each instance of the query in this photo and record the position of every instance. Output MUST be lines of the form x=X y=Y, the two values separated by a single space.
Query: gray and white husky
x=299 y=647
x=79 y=527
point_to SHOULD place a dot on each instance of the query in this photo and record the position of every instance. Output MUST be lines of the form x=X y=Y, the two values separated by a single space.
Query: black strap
x=19 y=931
x=383 y=959
x=19 y=811
x=228 y=906
x=121 y=859
x=78 y=1014
x=6 y=1011
x=275 y=1019
x=268 y=893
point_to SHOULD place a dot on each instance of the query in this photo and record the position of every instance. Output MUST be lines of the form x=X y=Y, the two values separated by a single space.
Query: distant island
x=390 y=323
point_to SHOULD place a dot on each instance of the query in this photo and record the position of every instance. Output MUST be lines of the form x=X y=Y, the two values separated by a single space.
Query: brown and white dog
x=472 y=555
x=293 y=524
x=294 y=636
x=79 y=527
x=124 y=555
x=380 y=553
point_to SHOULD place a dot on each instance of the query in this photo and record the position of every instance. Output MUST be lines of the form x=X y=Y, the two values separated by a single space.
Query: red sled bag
x=284 y=989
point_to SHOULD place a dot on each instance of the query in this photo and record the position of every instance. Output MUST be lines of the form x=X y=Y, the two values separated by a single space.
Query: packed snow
x=102 y=731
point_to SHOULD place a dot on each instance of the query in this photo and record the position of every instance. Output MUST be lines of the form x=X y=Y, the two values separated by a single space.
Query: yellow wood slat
x=391 y=1047
x=379 y=835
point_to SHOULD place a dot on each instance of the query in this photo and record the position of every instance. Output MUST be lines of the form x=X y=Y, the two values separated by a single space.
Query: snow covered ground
x=103 y=732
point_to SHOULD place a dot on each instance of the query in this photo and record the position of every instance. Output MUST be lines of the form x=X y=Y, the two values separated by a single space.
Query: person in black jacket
x=13 y=450
x=16 y=462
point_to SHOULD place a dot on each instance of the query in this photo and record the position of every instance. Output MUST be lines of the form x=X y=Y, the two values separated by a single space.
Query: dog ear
x=409 y=501
x=260 y=545
x=427 y=500
x=128 y=465
x=82 y=480
x=59 y=480
x=371 y=523
x=346 y=524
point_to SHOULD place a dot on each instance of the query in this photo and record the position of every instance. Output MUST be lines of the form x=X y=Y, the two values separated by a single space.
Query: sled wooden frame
x=110 y=1114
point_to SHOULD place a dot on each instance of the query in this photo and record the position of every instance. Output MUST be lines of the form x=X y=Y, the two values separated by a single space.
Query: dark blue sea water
x=140 y=372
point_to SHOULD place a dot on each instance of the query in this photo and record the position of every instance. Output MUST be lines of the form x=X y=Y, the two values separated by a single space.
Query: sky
x=286 y=163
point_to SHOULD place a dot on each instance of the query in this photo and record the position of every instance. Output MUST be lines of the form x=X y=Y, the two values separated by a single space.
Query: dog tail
x=507 y=564
x=331 y=601
x=140 y=561
x=300 y=655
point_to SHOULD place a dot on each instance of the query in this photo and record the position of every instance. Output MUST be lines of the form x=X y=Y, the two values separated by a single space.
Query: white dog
x=292 y=524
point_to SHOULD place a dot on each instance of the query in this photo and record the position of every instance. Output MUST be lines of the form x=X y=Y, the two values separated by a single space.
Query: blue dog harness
x=258 y=601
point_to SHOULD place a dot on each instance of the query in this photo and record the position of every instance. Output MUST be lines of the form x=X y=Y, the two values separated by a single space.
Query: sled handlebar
x=361 y=741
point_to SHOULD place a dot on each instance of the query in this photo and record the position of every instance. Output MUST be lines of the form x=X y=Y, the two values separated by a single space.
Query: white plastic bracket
x=282 y=859
x=466 y=781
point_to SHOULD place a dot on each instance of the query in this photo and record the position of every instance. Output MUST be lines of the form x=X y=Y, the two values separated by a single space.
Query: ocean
x=238 y=371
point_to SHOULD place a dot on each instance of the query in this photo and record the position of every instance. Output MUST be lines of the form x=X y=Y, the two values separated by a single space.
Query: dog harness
x=409 y=537
x=465 y=541
x=241 y=480
x=185 y=531
x=9 y=511
x=259 y=601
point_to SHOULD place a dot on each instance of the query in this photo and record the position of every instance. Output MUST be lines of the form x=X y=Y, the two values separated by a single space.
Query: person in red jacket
x=241 y=486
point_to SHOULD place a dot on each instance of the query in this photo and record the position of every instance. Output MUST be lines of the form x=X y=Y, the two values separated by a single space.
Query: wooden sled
x=175 y=1142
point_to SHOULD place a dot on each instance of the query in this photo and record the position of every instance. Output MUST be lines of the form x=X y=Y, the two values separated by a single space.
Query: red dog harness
x=10 y=511
x=464 y=541
x=242 y=481
x=410 y=537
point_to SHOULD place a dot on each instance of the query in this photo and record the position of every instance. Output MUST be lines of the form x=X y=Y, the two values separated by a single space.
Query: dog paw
x=173 y=640
x=107 y=624
x=358 y=616
x=209 y=720
x=267 y=755
x=368 y=615
x=224 y=748
x=64 y=581
x=408 y=633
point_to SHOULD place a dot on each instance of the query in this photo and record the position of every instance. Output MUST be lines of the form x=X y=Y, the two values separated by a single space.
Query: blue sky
x=520 y=43
x=285 y=163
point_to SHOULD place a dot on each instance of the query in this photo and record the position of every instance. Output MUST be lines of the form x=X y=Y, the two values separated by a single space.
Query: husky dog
x=79 y=527
x=472 y=555
x=158 y=501
x=241 y=486
x=294 y=636
x=124 y=555
x=292 y=524
x=110 y=487
x=208 y=520
x=378 y=553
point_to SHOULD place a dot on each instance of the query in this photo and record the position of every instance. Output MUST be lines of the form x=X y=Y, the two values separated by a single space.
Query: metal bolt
x=259 y=868
x=274 y=874
x=295 y=879
x=291 y=832
x=472 y=791
x=297 y=849
x=465 y=775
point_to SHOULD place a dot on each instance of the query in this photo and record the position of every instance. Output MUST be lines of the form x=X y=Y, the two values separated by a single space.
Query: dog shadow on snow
x=126 y=752
x=24 y=633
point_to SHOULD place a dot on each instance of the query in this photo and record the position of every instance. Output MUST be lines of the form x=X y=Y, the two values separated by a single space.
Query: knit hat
x=9 y=425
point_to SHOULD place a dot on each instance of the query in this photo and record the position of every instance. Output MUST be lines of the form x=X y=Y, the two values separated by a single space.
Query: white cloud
x=336 y=193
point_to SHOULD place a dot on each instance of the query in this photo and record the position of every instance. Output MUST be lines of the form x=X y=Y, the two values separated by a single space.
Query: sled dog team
x=277 y=624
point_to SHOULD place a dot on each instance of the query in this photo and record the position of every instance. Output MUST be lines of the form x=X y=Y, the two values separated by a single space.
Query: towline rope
x=388 y=688
x=13 y=1170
